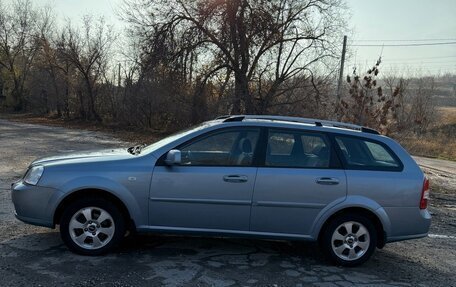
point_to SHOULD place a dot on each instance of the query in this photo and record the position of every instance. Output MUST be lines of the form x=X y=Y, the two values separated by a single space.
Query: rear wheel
x=349 y=240
x=92 y=226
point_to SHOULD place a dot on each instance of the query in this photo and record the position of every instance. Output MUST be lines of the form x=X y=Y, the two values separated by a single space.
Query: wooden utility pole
x=118 y=78
x=341 y=72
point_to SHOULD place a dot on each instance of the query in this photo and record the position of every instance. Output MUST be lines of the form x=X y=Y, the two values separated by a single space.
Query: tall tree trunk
x=199 y=103
x=66 y=100
x=242 y=98
x=16 y=95
x=236 y=109
x=82 y=113
x=92 y=113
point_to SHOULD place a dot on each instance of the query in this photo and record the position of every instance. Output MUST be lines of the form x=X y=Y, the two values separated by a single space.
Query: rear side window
x=297 y=149
x=280 y=144
x=366 y=154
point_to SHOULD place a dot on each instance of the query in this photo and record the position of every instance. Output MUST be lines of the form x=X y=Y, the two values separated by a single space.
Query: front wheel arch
x=131 y=226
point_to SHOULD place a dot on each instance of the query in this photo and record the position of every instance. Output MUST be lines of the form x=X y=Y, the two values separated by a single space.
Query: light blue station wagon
x=272 y=177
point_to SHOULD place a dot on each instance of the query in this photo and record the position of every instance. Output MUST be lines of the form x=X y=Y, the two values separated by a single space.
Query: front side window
x=297 y=149
x=366 y=154
x=226 y=148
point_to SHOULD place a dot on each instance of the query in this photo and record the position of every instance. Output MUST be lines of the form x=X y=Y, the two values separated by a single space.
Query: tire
x=349 y=247
x=92 y=226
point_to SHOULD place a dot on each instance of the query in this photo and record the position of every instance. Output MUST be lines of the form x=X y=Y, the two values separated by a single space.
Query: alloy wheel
x=91 y=228
x=350 y=240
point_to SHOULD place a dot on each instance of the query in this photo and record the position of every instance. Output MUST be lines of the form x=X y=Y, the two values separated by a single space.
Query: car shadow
x=189 y=260
x=218 y=246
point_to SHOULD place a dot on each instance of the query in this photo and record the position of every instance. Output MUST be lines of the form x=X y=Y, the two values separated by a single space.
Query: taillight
x=424 y=194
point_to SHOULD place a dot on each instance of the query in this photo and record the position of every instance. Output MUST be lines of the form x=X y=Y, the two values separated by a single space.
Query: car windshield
x=161 y=143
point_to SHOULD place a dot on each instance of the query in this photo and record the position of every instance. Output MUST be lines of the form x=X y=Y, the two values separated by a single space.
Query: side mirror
x=173 y=157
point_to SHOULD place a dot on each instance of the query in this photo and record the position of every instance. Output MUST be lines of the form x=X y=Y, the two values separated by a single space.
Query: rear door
x=301 y=175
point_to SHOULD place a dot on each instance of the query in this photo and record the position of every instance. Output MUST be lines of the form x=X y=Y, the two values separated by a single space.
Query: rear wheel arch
x=381 y=234
x=99 y=193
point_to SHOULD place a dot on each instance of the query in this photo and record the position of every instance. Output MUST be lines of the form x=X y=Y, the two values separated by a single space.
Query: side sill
x=222 y=233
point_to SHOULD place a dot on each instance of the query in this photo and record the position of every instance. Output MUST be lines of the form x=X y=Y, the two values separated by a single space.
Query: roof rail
x=316 y=122
x=223 y=117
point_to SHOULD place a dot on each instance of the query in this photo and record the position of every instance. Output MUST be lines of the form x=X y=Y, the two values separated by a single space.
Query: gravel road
x=34 y=256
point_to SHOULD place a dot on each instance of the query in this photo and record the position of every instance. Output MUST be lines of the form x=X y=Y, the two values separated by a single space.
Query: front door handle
x=235 y=178
x=327 y=181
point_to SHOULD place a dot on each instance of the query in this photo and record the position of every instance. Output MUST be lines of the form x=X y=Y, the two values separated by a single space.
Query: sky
x=76 y=9
x=385 y=21
x=404 y=20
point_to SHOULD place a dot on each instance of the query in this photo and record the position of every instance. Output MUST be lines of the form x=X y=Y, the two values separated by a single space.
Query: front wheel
x=349 y=240
x=92 y=226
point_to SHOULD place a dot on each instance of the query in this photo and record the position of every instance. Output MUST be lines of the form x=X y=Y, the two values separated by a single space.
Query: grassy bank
x=439 y=142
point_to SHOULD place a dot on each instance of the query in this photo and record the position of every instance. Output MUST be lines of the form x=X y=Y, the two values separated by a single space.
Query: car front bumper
x=34 y=204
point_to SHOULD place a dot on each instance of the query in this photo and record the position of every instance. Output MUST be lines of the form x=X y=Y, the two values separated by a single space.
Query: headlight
x=33 y=175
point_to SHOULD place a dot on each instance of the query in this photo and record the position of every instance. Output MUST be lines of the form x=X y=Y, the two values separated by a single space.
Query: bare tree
x=400 y=84
x=277 y=39
x=48 y=61
x=88 y=52
x=18 y=46
x=422 y=106
x=368 y=104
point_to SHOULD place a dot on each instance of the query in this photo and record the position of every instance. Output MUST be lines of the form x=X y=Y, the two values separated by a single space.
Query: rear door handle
x=235 y=178
x=327 y=181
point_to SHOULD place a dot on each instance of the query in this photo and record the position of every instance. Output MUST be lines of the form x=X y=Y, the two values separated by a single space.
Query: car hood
x=86 y=156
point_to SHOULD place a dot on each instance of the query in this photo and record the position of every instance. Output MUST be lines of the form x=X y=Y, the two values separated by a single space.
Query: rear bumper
x=33 y=204
x=408 y=223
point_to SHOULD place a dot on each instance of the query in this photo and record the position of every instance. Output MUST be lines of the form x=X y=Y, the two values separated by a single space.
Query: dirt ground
x=35 y=256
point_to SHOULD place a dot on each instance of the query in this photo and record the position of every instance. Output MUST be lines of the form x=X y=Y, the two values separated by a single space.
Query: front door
x=301 y=175
x=211 y=188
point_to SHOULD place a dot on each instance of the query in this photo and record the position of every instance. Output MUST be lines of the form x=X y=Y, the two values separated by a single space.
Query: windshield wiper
x=131 y=149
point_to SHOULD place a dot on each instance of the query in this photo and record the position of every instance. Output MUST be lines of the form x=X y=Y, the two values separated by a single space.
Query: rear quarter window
x=365 y=154
x=298 y=149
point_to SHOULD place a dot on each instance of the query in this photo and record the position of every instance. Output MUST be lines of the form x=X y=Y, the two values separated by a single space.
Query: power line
x=405 y=64
x=405 y=40
x=425 y=64
x=420 y=69
x=416 y=62
x=404 y=45
x=418 y=58
x=405 y=67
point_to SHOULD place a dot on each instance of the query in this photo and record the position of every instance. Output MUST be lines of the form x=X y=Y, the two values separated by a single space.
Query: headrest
x=245 y=146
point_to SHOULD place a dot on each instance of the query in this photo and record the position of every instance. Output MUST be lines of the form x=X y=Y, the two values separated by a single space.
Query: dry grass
x=440 y=142
x=431 y=147
x=448 y=115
